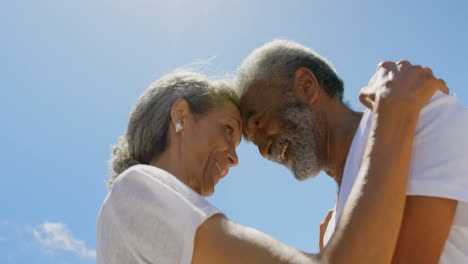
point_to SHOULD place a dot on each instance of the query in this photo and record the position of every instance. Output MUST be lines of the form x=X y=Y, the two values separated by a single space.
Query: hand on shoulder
x=400 y=87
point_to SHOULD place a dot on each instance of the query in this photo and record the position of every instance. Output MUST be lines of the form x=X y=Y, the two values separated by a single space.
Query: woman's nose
x=232 y=158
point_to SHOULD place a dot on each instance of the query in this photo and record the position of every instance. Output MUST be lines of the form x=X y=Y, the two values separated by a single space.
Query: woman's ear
x=179 y=111
x=306 y=86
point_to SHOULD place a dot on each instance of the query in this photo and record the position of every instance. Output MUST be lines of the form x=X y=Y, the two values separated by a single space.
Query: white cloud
x=56 y=236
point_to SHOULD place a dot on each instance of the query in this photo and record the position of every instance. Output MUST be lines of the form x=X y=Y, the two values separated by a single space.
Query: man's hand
x=401 y=86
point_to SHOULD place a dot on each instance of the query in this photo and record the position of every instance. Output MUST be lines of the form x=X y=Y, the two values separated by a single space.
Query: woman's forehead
x=227 y=110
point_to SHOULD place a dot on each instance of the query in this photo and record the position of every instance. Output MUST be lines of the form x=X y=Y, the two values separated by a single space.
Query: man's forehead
x=254 y=96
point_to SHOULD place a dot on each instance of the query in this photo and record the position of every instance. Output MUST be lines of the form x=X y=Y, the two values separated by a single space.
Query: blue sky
x=70 y=72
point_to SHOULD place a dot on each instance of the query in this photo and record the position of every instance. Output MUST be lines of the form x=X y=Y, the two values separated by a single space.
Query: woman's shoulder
x=149 y=171
x=144 y=172
x=157 y=190
x=151 y=178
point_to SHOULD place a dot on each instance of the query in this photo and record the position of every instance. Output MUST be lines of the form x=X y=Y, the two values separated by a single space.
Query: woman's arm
x=323 y=228
x=368 y=228
x=220 y=240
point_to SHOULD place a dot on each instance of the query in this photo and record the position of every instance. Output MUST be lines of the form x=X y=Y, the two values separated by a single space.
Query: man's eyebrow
x=247 y=116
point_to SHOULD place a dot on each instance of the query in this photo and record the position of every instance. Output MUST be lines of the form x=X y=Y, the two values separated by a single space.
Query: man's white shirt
x=439 y=167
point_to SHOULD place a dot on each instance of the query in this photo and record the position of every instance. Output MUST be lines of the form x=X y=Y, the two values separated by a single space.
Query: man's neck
x=342 y=126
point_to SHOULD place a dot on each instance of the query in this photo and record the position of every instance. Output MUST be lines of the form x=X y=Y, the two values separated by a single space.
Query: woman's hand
x=396 y=94
x=401 y=87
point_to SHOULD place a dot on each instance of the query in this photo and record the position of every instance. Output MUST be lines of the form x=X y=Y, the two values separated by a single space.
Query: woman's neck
x=171 y=162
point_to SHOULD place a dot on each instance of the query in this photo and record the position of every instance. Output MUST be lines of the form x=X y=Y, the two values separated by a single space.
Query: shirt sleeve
x=439 y=165
x=147 y=199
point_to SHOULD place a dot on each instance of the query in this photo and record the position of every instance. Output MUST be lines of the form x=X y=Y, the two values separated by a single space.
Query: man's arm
x=382 y=181
x=425 y=228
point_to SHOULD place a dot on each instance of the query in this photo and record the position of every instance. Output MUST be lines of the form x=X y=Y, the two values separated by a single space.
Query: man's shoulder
x=441 y=101
x=443 y=107
x=444 y=115
x=444 y=119
x=439 y=162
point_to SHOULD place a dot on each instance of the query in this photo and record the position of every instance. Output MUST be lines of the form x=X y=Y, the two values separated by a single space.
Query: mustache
x=290 y=114
x=277 y=148
x=303 y=131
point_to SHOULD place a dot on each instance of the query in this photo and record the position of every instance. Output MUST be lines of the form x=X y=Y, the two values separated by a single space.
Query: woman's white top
x=149 y=216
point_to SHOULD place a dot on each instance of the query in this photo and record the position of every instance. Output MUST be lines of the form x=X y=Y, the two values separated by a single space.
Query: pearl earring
x=178 y=127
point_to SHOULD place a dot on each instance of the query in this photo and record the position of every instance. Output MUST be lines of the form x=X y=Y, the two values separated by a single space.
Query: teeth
x=283 y=152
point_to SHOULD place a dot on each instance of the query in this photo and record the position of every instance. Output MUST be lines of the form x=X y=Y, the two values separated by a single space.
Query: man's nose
x=255 y=133
x=263 y=145
x=250 y=129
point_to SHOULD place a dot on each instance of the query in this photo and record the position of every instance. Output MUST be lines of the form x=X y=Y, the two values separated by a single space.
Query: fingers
x=406 y=64
x=428 y=70
x=435 y=83
x=403 y=64
x=401 y=82
x=427 y=87
x=367 y=98
x=438 y=85
x=423 y=70
x=387 y=66
x=443 y=87
x=364 y=101
x=386 y=70
x=418 y=74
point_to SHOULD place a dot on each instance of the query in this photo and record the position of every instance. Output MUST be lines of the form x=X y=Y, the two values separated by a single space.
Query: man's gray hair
x=277 y=61
x=146 y=136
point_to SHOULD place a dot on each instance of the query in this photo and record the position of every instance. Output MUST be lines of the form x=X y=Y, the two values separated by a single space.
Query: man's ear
x=179 y=111
x=306 y=86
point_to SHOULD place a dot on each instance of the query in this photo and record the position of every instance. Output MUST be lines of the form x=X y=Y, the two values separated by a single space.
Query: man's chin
x=304 y=176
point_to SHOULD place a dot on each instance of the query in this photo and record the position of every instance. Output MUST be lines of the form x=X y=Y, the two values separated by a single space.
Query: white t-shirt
x=149 y=216
x=439 y=167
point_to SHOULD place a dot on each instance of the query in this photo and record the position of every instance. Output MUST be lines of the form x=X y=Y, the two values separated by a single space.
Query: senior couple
x=401 y=165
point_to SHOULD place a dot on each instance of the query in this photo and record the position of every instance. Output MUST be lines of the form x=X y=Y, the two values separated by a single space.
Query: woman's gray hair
x=146 y=136
x=277 y=62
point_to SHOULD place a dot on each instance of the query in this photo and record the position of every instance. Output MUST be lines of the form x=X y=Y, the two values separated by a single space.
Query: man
x=292 y=109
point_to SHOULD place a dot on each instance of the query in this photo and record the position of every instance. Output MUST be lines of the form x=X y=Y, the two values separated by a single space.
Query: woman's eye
x=229 y=130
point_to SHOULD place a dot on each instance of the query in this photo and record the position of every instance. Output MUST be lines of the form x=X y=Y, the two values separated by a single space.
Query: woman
x=185 y=128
